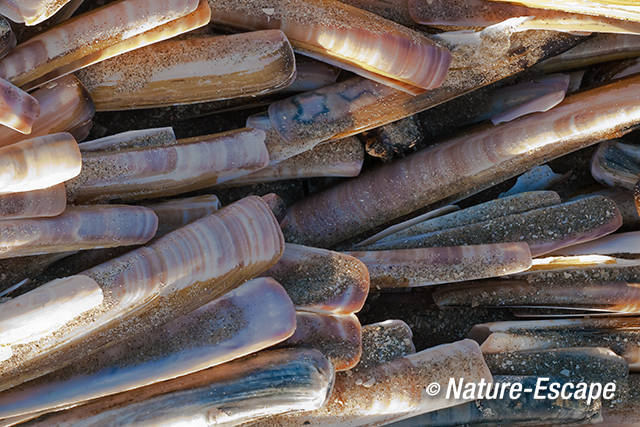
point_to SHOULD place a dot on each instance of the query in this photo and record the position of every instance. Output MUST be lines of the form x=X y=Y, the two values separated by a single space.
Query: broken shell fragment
x=47 y=202
x=395 y=390
x=38 y=163
x=616 y=164
x=78 y=228
x=31 y=12
x=432 y=266
x=322 y=280
x=462 y=166
x=493 y=209
x=18 y=109
x=177 y=213
x=621 y=334
x=266 y=383
x=97 y=35
x=337 y=337
x=342 y=158
x=250 y=318
x=166 y=169
x=171 y=277
x=544 y=229
x=192 y=70
x=65 y=106
x=608 y=285
x=347 y=37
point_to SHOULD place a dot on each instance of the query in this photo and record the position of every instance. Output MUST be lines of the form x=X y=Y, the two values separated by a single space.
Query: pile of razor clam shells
x=201 y=201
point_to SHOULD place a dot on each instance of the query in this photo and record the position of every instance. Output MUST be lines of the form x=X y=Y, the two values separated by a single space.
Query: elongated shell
x=322 y=280
x=342 y=158
x=619 y=9
x=337 y=337
x=18 y=109
x=65 y=106
x=432 y=266
x=98 y=35
x=34 y=204
x=613 y=244
x=31 y=12
x=168 y=169
x=78 y=228
x=463 y=165
x=196 y=69
x=345 y=36
x=177 y=213
x=544 y=229
x=39 y=163
x=616 y=164
x=252 y=317
x=169 y=278
x=263 y=384
x=396 y=390
x=620 y=334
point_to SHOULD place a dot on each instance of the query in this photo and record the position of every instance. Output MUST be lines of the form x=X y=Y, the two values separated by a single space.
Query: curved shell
x=267 y=383
x=47 y=202
x=462 y=166
x=322 y=280
x=94 y=36
x=196 y=69
x=18 y=109
x=39 y=163
x=343 y=35
x=31 y=12
x=250 y=318
x=168 y=169
x=169 y=278
x=432 y=266
x=337 y=337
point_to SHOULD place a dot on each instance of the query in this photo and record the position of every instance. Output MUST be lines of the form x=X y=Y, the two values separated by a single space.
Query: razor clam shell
x=322 y=280
x=393 y=10
x=618 y=9
x=267 y=383
x=394 y=390
x=608 y=287
x=38 y=163
x=345 y=36
x=250 y=318
x=357 y=105
x=621 y=334
x=78 y=228
x=97 y=35
x=157 y=137
x=192 y=70
x=524 y=411
x=625 y=412
x=7 y=37
x=616 y=164
x=18 y=109
x=31 y=12
x=577 y=364
x=544 y=229
x=154 y=284
x=342 y=158
x=432 y=266
x=276 y=204
x=383 y=342
x=170 y=169
x=47 y=202
x=626 y=205
x=65 y=106
x=177 y=213
x=462 y=166
x=546 y=93
x=613 y=244
x=497 y=208
x=32 y=316
x=597 y=49
x=311 y=75
x=337 y=337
